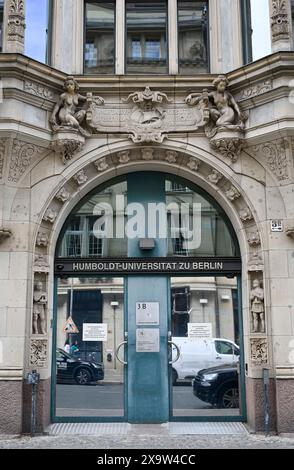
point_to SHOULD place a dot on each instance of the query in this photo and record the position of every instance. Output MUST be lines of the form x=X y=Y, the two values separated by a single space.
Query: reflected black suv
x=70 y=368
x=218 y=386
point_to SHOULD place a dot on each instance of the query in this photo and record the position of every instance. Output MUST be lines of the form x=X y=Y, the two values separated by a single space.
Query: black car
x=218 y=386
x=70 y=368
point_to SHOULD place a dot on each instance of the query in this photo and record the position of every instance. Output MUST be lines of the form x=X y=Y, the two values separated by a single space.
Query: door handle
x=218 y=357
x=171 y=343
x=123 y=343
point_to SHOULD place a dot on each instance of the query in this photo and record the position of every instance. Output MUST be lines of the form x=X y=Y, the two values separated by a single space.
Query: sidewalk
x=148 y=437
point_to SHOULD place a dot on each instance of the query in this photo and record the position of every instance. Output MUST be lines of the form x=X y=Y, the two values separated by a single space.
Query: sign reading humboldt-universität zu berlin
x=153 y=266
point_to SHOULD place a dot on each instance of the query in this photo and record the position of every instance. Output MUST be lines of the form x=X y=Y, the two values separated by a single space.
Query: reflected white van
x=201 y=354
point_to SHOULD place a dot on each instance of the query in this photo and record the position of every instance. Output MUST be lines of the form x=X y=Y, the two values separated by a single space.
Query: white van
x=201 y=354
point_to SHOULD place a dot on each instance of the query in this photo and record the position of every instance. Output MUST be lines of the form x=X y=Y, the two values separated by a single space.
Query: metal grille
x=88 y=429
x=207 y=428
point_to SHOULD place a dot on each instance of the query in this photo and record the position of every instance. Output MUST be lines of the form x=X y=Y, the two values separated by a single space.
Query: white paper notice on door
x=94 y=331
x=147 y=340
x=199 y=331
x=147 y=313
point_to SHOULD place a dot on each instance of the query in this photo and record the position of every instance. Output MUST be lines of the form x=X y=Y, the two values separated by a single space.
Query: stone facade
x=247 y=166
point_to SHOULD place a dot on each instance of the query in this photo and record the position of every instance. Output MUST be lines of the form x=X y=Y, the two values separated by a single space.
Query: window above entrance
x=189 y=223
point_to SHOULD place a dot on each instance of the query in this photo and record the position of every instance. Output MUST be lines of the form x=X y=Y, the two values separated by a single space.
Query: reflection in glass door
x=89 y=329
x=205 y=373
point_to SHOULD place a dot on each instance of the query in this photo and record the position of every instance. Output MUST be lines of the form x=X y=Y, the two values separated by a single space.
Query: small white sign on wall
x=94 y=331
x=147 y=313
x=198 y=331
x=147 y=340
x=276 y=225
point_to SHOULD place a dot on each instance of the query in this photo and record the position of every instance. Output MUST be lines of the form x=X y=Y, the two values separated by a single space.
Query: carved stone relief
x=255 y=263
x=38 y=352
x=39 y=310
x=254 y=239
x=39 y=90
x=42 y=240
x=41 y=264
x=232 y=193
x=280 y=20
x=274 y=154
x=23 y=155
x=16 y=21
x=145 y=116
x=258 y=351
x=124 y=156
x=101 y=164
x=214 y=177
x=81 y=178
x=255 y=90
x=290 y=229
x=63 y=195
x=194 y=164
x=147 y=154
x=257 y=307
x=50 y=216
x=171 y=156
x=246 y=214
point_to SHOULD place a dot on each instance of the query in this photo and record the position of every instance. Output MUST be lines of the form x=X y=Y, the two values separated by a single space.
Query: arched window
x=105 y=211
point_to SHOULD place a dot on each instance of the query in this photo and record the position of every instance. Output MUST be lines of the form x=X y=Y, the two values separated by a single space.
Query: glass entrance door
x=206 y=367
x=89 y=379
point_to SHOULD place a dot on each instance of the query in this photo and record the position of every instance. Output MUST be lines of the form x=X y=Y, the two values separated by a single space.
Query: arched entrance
x=170 y=296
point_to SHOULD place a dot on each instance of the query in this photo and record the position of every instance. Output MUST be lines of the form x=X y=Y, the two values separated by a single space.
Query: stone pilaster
x=14 y=26
x=281 y=25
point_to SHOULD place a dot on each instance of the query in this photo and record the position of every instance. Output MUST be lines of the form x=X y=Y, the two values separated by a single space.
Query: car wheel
x=174 y=377
x=83 y=377
x=229 y=397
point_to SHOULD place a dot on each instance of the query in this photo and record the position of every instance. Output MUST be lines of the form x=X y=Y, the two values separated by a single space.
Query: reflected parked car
x=201 y=354
x=218 y=386
x=70 y=369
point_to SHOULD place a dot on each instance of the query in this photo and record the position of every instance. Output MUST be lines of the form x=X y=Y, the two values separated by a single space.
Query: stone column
x=14 y=26
x=173 y=37
x=120 y=37
x=68 y=36
x=281 y=25
x=225 y=36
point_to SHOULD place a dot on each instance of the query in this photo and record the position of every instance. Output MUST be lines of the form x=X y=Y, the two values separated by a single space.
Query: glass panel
x=205 y=327
x=90 y=326
x=261 y=35
x=36 y=33
x=100 y=35
x=1 y=23
x=193 y=36
x=292 y=8
x=146 y=37
x=88 y=235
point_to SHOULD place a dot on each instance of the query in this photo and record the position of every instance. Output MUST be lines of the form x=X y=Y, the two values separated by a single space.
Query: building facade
x=116 y=103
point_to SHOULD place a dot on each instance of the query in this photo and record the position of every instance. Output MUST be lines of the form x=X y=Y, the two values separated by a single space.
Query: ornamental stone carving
x=4 y=233
x=256 y=90
x=255 y=263
x=232 y=193
x=41 y=264
x=39 y=310
x=246 y=214
x=171 y=156
x=257 y=307
x=280 y=20
x=146 y=116
x=63 y=195
x=124 y=156
x=214 y=177
x=80 y=178
x=254 y=239
x=42 y=240
x=275 y=156
x=23 y=154
x=224 y=121
x=16 y=23
x=259 y=351
x=194 y=164
x=290 y=229
x=147 y=154
x=38 y=352
x=50 y=216
x=101 y=165
x=38 y=90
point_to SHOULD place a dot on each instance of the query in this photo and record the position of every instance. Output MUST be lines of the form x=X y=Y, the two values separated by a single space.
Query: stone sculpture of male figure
x=257 y=307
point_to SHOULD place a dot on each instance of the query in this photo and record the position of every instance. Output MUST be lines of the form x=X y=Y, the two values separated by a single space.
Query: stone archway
x=216 y=180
